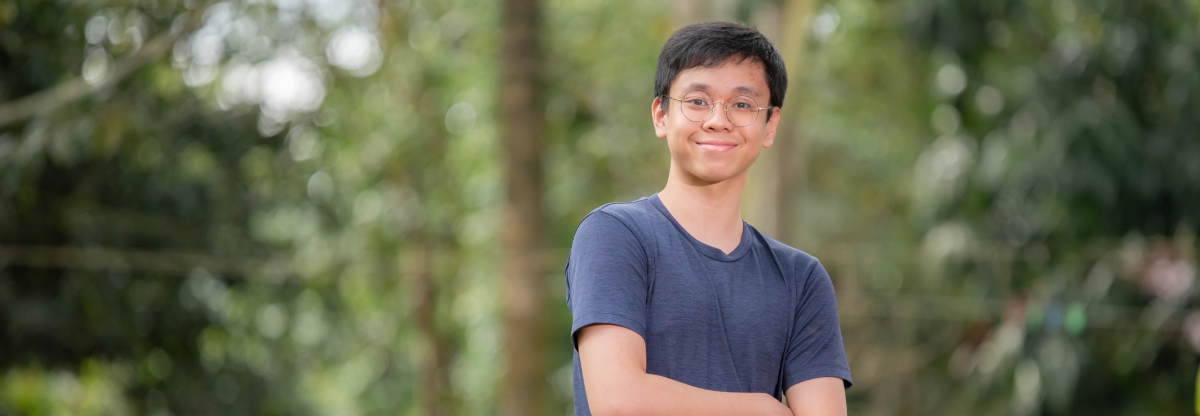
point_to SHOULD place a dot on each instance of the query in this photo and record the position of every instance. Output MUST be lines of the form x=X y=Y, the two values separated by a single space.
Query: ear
x=659 y=117
x=772 y=124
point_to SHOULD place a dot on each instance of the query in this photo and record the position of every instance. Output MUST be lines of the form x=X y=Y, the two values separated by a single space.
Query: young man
x=679 y=307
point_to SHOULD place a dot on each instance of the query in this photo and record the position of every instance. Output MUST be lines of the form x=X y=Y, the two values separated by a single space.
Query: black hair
x=711 y=44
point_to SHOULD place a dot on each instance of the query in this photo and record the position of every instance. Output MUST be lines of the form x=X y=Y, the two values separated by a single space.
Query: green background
x=294 y=207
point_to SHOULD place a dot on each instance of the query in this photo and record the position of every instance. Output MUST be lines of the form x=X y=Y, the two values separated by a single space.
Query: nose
x=719 y=121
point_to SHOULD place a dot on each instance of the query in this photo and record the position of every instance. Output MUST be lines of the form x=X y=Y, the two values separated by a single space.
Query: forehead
x=746 y=76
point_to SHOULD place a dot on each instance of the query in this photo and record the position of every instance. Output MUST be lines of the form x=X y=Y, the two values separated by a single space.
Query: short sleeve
x=816 y=348
x=606 y=276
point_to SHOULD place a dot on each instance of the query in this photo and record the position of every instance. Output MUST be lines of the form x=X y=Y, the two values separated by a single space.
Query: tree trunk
x=429 y=372
x=524 y=383
x=431 y=247
x=789 y=141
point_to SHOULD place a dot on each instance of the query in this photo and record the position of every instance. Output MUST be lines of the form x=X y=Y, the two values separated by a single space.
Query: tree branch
x=104 y=259
x=66 y=92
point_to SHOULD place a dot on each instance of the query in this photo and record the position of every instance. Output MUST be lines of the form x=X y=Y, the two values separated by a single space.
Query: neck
x=709 y=211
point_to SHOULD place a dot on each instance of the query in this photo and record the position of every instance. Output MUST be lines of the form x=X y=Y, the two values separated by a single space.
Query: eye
x=743 y=103
x=697 y=102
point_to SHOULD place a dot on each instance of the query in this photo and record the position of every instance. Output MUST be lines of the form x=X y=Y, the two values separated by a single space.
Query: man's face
x=715 y=149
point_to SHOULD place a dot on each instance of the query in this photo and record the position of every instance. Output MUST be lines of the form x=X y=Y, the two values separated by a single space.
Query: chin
x=714 y=174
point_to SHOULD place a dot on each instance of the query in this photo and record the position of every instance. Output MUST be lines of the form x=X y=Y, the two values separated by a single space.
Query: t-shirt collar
x=705 y=249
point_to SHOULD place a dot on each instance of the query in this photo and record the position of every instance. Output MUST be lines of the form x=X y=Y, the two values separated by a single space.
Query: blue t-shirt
x=723 y=322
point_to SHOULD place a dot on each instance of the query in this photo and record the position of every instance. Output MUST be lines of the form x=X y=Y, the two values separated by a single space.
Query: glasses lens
x=696 y=106
x=742 y=110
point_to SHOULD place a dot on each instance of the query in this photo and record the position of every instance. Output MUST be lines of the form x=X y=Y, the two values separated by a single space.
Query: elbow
x=621 y=401
x=615 y=406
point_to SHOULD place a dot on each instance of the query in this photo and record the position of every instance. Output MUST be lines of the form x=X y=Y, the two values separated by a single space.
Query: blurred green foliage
x=295 y=208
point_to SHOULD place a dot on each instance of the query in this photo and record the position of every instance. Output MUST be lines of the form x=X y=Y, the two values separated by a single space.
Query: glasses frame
x=712 y=108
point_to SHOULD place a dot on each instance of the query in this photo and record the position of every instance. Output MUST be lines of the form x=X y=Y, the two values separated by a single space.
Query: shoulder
x=795 y=263
x=614 y=232
x=632 y=215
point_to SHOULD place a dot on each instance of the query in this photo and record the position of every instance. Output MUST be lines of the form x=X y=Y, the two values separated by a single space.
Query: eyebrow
x=740 y=89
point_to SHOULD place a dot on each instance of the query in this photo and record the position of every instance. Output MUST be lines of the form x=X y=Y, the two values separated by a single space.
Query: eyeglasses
x=698 y=106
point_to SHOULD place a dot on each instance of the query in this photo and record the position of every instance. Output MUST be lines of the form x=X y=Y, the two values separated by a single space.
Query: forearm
x=652 y=395
x=613 y=363
x=824 y=396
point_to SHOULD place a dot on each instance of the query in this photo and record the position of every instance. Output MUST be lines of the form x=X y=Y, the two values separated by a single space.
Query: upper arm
x=610 y=357
x=607 y=293
x=822 y=396
x=815 y=347
x=606 y=276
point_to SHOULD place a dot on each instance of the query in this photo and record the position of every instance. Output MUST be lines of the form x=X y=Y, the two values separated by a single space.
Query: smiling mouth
x=714 y=147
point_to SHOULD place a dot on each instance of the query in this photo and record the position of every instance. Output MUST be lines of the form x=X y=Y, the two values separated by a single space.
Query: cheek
x=677 y=133
x=760 y=136
x=676 y=140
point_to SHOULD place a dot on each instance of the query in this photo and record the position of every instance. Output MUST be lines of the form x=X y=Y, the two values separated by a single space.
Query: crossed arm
x=613 y=361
